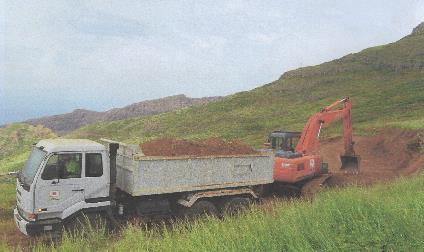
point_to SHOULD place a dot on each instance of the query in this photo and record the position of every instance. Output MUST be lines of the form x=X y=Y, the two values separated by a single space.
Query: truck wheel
x=53 y=236
x=86 y=222
x=235 y=205
x=202 y=207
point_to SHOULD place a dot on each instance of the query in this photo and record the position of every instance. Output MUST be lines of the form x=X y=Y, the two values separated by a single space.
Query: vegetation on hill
x=385 y=83
x=15 y=144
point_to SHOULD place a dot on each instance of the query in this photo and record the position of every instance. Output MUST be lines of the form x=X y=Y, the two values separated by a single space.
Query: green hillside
x=15 y=143
x=385 y=83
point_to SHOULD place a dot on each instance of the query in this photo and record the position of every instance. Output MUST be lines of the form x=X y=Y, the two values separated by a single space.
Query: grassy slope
x=379 y=218
x=15 y=143
x=386 y=84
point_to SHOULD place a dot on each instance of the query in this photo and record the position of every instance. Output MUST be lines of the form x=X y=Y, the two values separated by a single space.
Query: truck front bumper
x=33 y=228
x=21 y=223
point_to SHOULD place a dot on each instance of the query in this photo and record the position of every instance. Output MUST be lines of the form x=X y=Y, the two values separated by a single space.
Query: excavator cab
x=283 y=143
x=283 y=140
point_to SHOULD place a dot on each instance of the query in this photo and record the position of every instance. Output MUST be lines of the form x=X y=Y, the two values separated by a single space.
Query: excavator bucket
x=350 y=163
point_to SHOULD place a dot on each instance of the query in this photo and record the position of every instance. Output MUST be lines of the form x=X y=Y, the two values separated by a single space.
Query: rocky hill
x=79 y=117
x=419 y=30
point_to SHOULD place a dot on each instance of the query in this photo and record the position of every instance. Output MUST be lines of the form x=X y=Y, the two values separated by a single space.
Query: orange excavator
x=297 y=158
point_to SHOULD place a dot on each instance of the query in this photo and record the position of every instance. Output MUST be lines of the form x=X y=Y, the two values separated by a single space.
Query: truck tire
x=199 y=208
x=85 y=222
x=53 y=236
x=235 y=205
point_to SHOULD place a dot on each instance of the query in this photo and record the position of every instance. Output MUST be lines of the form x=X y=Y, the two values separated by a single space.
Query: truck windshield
x=32 y=165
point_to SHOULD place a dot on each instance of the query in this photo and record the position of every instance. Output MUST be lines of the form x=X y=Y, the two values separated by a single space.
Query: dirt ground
x=10 y=234
x=181 y=147
x=389 y=154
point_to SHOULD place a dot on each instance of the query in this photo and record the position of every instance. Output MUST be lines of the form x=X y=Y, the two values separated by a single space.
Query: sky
x=56 y=56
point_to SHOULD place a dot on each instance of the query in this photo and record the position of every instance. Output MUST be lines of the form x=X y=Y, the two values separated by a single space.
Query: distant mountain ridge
x=64 y=123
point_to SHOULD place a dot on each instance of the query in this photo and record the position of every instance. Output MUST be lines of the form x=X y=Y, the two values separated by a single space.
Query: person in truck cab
x=70 y=165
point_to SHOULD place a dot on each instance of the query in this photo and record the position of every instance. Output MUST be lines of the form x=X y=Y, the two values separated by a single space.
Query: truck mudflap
x=33 y=228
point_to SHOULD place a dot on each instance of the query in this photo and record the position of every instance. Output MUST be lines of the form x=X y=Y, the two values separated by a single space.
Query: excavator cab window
x=291 y=143
x=286 y=141
x=276 y=143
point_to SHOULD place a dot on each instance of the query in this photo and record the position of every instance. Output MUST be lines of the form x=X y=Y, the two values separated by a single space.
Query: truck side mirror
x=55 y=176
x=56 y=181
x=14 y=173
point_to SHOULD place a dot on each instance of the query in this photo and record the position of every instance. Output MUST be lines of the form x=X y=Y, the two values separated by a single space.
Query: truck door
x=60 y=185
x=96 y=178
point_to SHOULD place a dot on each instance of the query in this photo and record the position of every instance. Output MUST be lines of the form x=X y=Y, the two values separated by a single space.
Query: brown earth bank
x=181 y=147
x=389 y=154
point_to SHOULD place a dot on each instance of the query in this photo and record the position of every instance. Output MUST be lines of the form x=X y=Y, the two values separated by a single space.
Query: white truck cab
x=61 y=178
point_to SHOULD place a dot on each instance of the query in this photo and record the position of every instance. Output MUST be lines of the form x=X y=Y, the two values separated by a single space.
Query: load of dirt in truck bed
x=389 y=154
x=208 y=147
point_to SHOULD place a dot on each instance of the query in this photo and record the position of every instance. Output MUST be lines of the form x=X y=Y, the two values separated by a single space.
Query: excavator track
x=315 y=185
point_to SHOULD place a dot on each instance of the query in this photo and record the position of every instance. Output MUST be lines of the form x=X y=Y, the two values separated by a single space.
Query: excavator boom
x=309 y=140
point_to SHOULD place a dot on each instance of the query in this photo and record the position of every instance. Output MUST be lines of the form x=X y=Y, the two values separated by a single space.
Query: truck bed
x=147 y=175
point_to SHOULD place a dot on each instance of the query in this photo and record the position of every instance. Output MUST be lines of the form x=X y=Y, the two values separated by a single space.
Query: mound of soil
x=384 y=157
x=181 y=147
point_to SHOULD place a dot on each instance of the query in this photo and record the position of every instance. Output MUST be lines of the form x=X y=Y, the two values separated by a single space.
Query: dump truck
x=65 y=179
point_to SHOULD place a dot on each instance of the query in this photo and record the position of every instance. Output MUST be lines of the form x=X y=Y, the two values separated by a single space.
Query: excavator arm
x=309 y=140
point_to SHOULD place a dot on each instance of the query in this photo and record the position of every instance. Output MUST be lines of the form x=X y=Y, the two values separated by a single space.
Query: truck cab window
x=50 y=170
x=63 y=166
x=69 y=165
x=93 y=165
